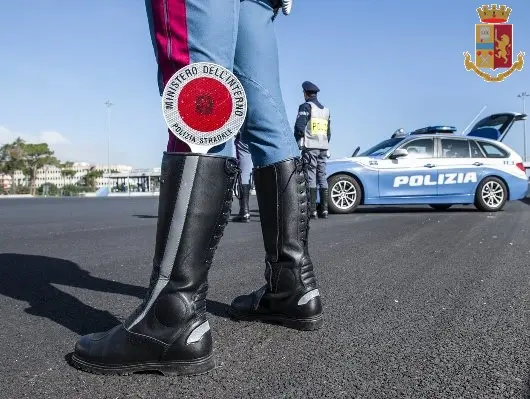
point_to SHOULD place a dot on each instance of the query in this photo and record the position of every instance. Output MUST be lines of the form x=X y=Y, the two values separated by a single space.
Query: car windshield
x=382 y=148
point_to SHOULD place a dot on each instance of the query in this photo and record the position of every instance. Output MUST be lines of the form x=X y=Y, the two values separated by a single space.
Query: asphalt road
x=418 y=303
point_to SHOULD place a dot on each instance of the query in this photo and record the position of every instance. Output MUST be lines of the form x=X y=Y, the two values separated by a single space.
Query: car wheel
x=491 y=195
x=441 y=207
x=344 y=194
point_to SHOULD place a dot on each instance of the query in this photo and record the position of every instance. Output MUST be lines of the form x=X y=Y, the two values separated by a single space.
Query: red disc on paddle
x=205 y=104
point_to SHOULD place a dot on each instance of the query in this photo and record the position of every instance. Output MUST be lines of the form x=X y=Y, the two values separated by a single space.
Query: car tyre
x=344 y=194
x=491 y=195
x=441 y=207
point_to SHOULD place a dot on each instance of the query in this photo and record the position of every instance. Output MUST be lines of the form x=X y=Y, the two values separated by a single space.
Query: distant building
x=136 y=180
x=53 y=175
x=126 y=179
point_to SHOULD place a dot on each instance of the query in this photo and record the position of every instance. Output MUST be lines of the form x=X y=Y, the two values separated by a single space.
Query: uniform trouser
x=238 y=35
x=315 y=161
x=244 y=158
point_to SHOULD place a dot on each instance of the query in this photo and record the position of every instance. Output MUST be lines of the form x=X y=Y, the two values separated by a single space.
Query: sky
x=380 y=65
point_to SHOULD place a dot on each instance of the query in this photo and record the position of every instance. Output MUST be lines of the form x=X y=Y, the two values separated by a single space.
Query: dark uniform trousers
x=315 y=167
x=315 y=163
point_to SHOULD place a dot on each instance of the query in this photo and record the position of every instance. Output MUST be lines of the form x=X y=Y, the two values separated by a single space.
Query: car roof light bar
x=435 y=129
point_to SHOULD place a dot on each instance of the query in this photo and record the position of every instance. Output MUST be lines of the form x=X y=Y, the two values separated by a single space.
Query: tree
x=36 y=156
x=70 y=190
x=66 y=169
x=68 y=172
x=12 y=159
x=48 y=189
x=91 y=176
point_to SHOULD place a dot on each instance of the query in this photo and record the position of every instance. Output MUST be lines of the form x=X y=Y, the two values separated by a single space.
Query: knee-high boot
x=244 y=212
x=323 y=205
x=313 y=202
x=169 y=331
x=290 y=296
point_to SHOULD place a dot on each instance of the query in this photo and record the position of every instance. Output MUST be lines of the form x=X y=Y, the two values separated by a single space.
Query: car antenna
x=474 y=119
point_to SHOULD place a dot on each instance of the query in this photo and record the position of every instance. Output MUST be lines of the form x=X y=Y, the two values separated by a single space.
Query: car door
x=459 y=166
x=412 y=176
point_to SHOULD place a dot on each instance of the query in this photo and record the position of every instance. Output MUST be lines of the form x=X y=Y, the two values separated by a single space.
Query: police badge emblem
x=494 y=45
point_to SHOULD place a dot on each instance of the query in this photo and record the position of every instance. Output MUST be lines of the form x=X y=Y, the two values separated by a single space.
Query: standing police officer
x=312 y=132
x=245 y=164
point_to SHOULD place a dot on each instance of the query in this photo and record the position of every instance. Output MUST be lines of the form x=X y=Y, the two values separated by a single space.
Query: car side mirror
x=399 y=153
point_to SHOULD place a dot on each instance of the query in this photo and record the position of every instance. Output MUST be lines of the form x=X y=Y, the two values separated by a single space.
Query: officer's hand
x=285 y=5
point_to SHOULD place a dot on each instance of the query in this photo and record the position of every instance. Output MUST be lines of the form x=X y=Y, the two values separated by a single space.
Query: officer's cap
x=310 y=87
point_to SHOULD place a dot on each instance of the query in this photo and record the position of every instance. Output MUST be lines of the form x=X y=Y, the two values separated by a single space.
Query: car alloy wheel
x=492 y=194
x=343 y=194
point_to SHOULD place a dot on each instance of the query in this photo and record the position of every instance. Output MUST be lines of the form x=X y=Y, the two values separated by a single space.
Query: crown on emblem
x=494 y=13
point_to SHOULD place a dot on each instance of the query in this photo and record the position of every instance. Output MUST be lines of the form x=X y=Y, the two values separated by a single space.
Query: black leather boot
x=323 y=205
x=169 y=331
x=244 y=212
x=313 y=203
x=291 y=296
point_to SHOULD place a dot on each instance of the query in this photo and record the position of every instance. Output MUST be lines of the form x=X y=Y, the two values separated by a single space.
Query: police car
x=433 y=166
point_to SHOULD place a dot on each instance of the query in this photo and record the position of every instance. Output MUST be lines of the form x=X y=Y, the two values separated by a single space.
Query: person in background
x=312 y=131
x=244 y=183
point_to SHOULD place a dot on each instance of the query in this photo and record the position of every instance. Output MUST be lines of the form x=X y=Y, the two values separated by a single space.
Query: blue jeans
x=239 y=35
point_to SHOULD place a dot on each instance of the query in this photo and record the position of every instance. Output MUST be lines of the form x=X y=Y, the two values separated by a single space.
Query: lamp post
x=108 y=104
x=523 y=96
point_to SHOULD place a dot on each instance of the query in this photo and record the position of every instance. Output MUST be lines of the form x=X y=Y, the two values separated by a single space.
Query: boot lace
x=233 y=172
x=303 y=195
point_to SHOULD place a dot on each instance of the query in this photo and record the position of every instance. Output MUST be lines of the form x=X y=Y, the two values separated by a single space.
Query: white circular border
x=172 y=116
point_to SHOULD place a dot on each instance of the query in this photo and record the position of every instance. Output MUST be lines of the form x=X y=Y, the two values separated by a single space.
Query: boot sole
x=238 y=220
x=195 y=367
x=304 y=324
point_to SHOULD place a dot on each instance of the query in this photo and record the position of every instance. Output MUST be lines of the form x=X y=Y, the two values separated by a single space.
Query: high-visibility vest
x=316 y=130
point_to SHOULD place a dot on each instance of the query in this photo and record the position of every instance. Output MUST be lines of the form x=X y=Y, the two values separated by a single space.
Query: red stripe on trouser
x=171 y=38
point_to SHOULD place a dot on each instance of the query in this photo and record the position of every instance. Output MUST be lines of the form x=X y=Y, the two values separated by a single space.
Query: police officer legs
x=322 y=184
x=169 y=331
x=312 y=132
x=315 y=163
x=309 y=157
x=245 y=164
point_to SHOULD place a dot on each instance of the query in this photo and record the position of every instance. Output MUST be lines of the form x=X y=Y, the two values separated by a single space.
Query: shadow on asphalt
x=146 y=216
x=253 y=212
x=30 y=278
x=378 y=209
x=391 y=209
